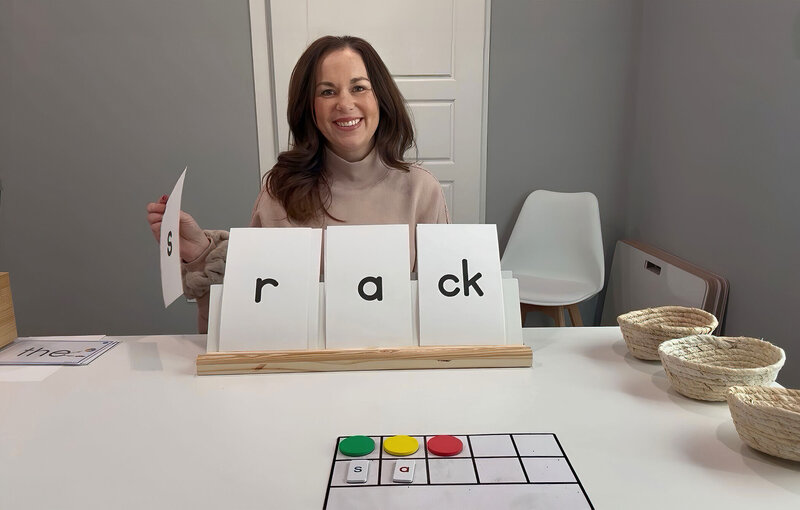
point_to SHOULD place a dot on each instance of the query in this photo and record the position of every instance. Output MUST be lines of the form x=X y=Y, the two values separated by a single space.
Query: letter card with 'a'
x=367 y=286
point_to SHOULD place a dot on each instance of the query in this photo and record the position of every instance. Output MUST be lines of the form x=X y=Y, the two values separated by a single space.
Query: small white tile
x=537 y=445
x=387 y=472
x=548 y=469
x=503 y=470
x=341 y=467
x=497 y=445
x=403 y=471
x=357 y=471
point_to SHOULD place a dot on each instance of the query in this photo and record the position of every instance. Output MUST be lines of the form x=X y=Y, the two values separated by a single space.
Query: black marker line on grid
x=380 y=461
x=330 y=477
x=474 y=465
x=427 y=465
x=519 y=458
x=574 y=474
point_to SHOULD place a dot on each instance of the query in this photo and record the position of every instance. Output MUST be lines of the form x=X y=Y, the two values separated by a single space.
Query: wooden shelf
x=8 y=325
x=395 y=358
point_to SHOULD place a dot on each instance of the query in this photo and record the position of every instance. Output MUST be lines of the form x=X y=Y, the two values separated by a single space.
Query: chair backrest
x=557 y=235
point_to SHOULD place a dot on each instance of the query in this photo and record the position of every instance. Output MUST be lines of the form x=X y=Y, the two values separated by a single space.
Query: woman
x=350 y=129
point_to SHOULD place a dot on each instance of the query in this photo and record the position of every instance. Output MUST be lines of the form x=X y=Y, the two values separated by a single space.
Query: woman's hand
x=193 y=239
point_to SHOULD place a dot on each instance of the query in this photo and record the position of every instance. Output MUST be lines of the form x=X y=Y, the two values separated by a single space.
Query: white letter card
x=367 y=286
x=460 y=285
x=314 y=290
x=268 y=279
x=170 y=248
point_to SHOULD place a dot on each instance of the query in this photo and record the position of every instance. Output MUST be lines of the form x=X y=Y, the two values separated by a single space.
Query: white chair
x=556 y=253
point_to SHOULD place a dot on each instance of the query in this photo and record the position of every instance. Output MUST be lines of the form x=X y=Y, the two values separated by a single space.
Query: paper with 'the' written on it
x=54 y=350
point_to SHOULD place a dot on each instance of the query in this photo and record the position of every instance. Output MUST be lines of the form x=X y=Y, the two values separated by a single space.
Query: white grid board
x=493 y=471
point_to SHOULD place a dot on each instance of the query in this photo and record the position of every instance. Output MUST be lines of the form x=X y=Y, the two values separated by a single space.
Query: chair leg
x=559 y=316
x=575 y=315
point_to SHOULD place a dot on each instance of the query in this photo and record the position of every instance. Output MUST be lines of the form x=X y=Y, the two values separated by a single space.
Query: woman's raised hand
x=193 y=239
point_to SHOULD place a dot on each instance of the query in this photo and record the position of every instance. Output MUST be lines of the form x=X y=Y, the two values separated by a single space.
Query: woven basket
x=644 y=330
x=705 y=366
x=767 y=419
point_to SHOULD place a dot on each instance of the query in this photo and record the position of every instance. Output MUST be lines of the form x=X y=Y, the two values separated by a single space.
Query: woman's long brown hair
x=298 y=180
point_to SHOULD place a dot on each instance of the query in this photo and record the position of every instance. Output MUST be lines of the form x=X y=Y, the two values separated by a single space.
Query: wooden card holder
x=8 y=324
x=512 y=354
x=396 y=358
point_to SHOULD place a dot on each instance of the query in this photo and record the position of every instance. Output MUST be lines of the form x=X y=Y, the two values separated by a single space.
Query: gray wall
x=716 y=168
x=103 y=104
x=561 y=97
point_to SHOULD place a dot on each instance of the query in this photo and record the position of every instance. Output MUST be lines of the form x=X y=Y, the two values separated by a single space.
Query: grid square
x=339 y=478
x=419 y=454
x=451 y=470
x=465 y=452
x=500 y=470
x=499 y=445
x=537 y=445
x=387 y=472
x=376 y=453
x=548 y=469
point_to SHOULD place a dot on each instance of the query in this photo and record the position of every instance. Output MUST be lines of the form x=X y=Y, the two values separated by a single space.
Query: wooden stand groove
x=394 y=358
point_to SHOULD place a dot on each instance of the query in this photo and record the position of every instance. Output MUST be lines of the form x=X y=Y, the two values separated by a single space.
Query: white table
x=137 y=429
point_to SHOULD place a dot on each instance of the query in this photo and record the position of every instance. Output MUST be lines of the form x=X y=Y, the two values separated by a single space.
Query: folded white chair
x=556 y=253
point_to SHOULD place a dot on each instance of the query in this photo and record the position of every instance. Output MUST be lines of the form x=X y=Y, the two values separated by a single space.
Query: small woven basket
x=767 y=419
x=705 y=366
x=644 y=330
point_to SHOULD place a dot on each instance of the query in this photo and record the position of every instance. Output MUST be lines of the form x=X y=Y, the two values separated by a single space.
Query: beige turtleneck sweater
x=365 y=192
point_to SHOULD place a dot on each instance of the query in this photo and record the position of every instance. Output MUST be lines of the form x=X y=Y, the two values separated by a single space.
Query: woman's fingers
x=156 y=228
x=154 y=218
x=156 y=207
x=194 y=239
x=155 y=215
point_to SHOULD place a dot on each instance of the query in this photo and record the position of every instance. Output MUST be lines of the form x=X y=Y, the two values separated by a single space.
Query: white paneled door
x=437 y=51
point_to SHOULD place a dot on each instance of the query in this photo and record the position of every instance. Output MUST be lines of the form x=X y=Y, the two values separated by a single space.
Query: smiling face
x=345 y=106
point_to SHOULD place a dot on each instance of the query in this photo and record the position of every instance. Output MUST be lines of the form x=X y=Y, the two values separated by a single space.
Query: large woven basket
x=644 y=330
x=705 y=366
x=767 y=419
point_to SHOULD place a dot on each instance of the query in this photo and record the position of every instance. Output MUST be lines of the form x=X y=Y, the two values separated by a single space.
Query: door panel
x=413 y=37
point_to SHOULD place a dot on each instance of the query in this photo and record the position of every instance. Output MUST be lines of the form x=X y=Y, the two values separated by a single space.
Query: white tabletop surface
x=138 y=429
